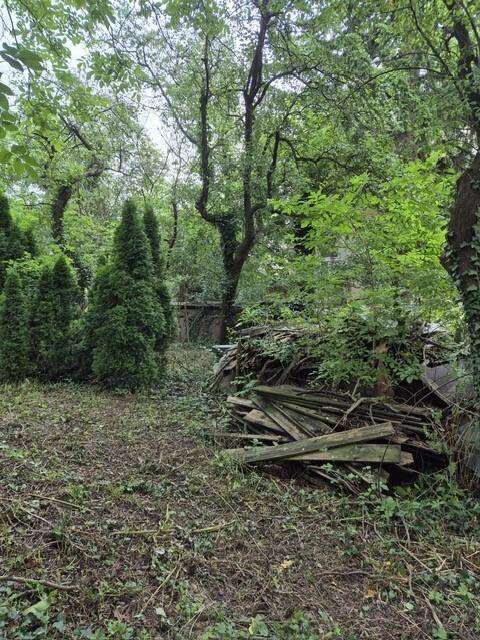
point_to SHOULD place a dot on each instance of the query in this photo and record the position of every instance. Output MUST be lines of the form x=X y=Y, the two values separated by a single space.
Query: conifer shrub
x=13 y=242
x=14 y=338
x=52 y=317
x=124 y=318
x=163 y=294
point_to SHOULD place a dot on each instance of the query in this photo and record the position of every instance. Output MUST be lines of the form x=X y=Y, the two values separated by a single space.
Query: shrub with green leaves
x=14 y=360
x=53 y=313
x=124 y=318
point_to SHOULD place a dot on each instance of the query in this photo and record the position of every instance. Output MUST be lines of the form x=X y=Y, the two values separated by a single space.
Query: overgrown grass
x=127 y=499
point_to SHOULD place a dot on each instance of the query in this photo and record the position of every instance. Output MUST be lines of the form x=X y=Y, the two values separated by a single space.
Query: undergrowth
x=124 y=498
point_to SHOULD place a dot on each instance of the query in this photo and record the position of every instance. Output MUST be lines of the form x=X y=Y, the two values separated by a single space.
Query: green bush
x=14 y=361
x=54 y=310
x=13 y=242
x=124 y=319
x=163 y=294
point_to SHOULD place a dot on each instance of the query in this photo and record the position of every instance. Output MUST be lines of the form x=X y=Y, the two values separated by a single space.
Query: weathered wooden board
x=260 y=418
x=261 y=437
x=368 y=453
x=277 y=417
x=240 y=402
x=307 y=445
x=315 y=419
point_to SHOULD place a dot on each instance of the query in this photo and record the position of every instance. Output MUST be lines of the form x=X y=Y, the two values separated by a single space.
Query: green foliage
x=52 y=317
x=131 y=252
x=152 y=230
x=13 y=242
x=14 y=361
x=36 y=36
x=369 y=272
x=298 y=627
x=194 y=264
x=124 y=319
x=163 y=294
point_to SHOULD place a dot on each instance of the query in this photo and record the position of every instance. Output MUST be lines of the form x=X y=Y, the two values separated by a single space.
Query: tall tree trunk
x=229 y=293
x=235 y=251
x=59 y=206
x=462 y=256
x=232 y=269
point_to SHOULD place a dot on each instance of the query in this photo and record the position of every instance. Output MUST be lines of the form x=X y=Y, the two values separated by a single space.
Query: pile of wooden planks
x=272 y=355
x=323 y=430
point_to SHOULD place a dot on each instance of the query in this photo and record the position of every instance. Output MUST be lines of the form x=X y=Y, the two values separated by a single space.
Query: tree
x=163 y=295
x=185 y=57
x=14 y=361
x=52 y=319
x=82 y=140
x=124 y=317
x=462 y=256
x=13 y=243
x=436 y=45
x=35 y=37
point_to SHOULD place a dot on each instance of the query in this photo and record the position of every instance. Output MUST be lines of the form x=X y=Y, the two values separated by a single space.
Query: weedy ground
x=127 y=500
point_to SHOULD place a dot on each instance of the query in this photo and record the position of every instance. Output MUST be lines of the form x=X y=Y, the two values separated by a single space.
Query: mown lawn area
x=125 y=504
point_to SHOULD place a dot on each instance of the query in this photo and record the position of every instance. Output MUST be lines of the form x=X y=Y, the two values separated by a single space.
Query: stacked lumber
x=317 y=428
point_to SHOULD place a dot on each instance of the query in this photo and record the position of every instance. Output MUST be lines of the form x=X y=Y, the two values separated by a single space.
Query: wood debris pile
x=274 y=356
x=330 y=433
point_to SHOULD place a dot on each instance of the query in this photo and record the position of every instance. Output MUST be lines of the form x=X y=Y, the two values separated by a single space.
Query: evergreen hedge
x=122 y=338
x=124 y=318
x=13 y=242
x=163 y=295
x=14 y=338
x=53 y=313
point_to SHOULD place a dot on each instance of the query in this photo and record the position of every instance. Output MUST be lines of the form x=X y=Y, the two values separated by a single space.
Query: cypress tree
x=13 y=243
x=163 y=295
x=124 y=317
x=14 y=361
x=52 y=317
x=150 y=223
x=130 y=251
x=65 y=292
x=5 y=215
x=5 y=225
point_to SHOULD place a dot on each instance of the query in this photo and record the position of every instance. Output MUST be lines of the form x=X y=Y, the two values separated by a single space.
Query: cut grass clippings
x=119 y=518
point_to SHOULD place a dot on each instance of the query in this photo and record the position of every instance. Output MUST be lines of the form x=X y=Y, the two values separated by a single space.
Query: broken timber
x=317 y=428
x=329 y=441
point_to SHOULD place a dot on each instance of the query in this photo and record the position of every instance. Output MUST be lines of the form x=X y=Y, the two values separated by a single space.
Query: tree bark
x=236 y=248
x=226 y=227
x=59 y=206
x=462 y=256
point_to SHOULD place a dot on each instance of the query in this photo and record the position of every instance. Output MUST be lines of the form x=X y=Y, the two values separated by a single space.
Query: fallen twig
x=214 y=527
x=39 y=581
x=68 y=504
x=136 y=532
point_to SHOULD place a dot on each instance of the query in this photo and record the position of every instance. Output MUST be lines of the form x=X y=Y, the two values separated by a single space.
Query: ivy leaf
x=39 y=609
